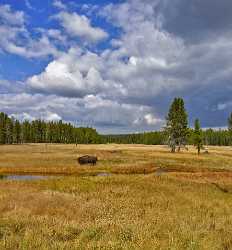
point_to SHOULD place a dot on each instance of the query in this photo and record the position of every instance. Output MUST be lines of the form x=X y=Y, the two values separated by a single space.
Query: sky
x=116 y=65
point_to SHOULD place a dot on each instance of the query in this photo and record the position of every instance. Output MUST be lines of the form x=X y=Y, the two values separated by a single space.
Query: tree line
x=209 y=137
x=147 y=138
x=179 y=134
x=39 y=131
x=176 y=133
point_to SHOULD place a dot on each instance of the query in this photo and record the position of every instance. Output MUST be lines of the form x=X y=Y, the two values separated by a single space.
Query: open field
x=187 y=205
x=61 y=159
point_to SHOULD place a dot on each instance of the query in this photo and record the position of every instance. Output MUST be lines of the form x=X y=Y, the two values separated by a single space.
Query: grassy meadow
x=151 y=199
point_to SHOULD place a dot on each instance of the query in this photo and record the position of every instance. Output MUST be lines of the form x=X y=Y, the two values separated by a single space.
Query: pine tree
x=198 y=138
x=9 y=131
x=2 y=128
x=177 y=125
x=230 y=123
x=17 y=132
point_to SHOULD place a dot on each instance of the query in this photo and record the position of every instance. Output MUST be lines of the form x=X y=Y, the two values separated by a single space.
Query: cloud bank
x=152 y=52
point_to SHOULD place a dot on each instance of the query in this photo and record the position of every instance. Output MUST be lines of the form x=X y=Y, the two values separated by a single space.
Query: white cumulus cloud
x=80 y=26
x=16 y=39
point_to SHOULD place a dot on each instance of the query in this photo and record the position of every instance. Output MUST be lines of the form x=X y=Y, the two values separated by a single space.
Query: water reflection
x=23 y=177
x=104 y=174
x=41 y=177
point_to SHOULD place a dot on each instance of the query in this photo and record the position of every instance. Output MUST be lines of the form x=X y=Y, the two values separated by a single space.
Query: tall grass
x=183 y=209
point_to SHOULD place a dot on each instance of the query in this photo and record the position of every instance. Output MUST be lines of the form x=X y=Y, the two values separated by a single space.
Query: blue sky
x=37 y=14
x=116 y=65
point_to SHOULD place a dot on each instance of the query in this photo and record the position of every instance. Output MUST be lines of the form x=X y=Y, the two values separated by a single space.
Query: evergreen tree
x=230 y=123
x=3 y=118
x=9 y=131
x=197 y=136
x=39 y=131
x=13 y=131
x=17 y=132
x=177 y=125
x=26 y=132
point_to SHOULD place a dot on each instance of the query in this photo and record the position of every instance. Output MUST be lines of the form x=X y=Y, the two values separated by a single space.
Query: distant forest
x=210 y=137
x=39 y=131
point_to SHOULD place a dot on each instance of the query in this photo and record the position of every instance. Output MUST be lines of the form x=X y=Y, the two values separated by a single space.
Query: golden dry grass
x=187 y=207
x=62 y=159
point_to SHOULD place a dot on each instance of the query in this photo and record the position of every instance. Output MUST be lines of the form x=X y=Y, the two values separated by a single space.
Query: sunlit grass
x=181 y=209
x=62 y=159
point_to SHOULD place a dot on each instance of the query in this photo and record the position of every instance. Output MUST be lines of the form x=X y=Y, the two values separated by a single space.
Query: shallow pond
x=23 y=177
x=105 y=174
x=15 y=177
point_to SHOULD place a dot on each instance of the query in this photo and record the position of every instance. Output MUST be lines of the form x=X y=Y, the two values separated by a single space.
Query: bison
x=87 y=159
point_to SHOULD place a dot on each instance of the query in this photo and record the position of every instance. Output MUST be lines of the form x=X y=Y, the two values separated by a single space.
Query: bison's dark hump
x=86 y=159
